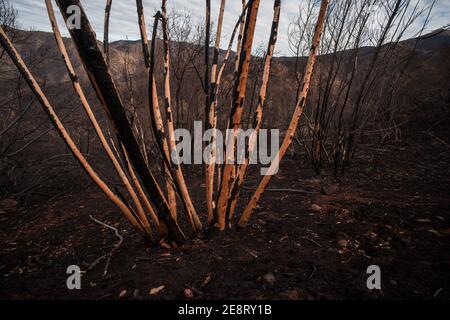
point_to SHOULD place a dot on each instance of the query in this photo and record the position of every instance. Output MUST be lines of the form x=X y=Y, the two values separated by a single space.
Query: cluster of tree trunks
x=129 y=158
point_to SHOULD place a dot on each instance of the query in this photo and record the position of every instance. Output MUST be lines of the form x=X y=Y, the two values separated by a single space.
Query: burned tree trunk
x=79 y=91
x=106 y=30
x=54 y=119
x=257 y=121
x=178 y=173
x=301 y=102
x=211 y=116
x=103 y=83
x=239 y=92
x=174 y=176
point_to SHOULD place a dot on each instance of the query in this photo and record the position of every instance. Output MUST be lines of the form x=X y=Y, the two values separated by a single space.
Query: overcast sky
x=32 y=14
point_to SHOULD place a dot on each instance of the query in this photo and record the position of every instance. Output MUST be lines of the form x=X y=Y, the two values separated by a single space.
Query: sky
x=123 y=23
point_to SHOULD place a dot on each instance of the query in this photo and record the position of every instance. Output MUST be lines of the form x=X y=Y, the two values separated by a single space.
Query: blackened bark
x=103 y=83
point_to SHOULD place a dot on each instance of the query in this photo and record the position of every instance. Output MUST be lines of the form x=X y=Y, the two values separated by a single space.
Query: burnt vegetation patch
x=364 y=154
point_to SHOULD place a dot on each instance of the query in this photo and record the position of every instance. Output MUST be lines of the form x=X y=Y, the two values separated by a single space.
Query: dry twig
x=109 y=255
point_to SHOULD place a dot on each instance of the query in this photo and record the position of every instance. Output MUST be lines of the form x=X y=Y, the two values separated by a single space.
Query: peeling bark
x=239 y=92
x=81 y=96
x=257 y=121
x=103 y=83
x=62 y=131
x=211 y=116
x=301 y=102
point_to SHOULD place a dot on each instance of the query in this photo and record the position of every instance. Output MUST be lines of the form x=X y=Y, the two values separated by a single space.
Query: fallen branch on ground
x=110 y=254
x=282 y=190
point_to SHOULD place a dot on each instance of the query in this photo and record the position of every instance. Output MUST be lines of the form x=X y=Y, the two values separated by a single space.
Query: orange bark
x=242 y=170
x=211 y=115
x=42 y=98
x=236 y=111
x=79 y=91
x=301 y=101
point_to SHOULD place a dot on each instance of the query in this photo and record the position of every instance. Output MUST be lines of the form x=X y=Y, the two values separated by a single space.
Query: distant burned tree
x=148 y=205
x=8 y=16
x=18 y=131
x=186 y=63
x=360 y=73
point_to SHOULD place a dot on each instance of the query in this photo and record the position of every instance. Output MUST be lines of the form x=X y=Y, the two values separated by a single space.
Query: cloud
x=33 y=14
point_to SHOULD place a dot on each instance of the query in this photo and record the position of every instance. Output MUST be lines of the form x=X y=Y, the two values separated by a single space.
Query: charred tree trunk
x=103 y=83
x=301 y=102
x=239 y=92
x=211 y=116
x=54 y=119
x=257 y=121
x=79 y=91
x=106 y=30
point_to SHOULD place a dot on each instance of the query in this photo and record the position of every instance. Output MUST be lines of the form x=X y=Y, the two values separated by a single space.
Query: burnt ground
x=392 y=209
